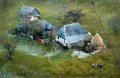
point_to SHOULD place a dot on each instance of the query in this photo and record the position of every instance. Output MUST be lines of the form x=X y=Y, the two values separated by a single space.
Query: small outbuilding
x=44 y=29
x=46 y=26
x=31 y=12
x=70 y=34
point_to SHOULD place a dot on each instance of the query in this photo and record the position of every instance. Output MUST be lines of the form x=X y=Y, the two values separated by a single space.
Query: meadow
x=62 y=65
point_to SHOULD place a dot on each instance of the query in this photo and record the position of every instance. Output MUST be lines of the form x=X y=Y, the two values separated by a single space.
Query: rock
x=97 y=42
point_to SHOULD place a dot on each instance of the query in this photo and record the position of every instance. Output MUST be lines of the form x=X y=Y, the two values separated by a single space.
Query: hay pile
x=90 y=43
x=97 y=42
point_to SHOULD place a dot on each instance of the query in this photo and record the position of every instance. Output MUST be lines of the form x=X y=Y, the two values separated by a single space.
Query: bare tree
x=73 y=15
x=4 y=3
x=114 y=23
x=10 y=47
x=93 y=3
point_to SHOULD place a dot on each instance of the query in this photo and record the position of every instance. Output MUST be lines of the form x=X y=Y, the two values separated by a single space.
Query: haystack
x=97 y=42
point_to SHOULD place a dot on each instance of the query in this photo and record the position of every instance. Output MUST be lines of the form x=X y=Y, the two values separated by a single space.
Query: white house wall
x=75 y=38
x=62 y=41
x=32 y=18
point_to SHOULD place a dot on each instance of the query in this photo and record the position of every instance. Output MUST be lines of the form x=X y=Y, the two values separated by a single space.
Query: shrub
x=73 y=15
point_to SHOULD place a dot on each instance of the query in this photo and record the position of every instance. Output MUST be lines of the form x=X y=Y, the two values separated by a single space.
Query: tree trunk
x=10 y=55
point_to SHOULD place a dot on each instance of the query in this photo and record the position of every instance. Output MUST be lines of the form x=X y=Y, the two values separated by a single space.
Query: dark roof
x=28 y=10
x=45 y=25
x=72 y=32
x=74 y=29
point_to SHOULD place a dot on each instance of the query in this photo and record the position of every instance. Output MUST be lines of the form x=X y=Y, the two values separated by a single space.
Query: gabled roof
x=72 y=32
x=74 y=29
x=45 y=25
x=28 y=10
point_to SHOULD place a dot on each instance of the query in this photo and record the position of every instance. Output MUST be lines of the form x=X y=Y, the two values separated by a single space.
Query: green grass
x=63 y=65
x=29 y=66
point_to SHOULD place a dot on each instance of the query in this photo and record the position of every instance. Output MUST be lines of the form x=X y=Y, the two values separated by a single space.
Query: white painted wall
x=62 y=41
x=32 y=18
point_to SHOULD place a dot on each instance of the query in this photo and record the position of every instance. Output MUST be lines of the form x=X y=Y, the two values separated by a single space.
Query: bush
x=73 y=15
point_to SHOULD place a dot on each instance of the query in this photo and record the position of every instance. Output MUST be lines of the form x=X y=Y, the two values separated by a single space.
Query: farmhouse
x=70 y=34
x=29 y=12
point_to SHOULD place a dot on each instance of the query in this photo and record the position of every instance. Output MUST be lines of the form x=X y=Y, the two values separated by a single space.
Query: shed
x=32 y=12
x=70 y=34
x=45 y=28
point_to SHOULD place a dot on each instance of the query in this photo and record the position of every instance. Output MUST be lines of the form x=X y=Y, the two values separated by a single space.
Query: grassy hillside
x=63 y=65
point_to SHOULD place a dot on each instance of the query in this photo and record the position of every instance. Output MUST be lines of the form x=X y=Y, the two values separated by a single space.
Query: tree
x=93 y=3
x=4 y=3
x=10 y=47
x=114 y=23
